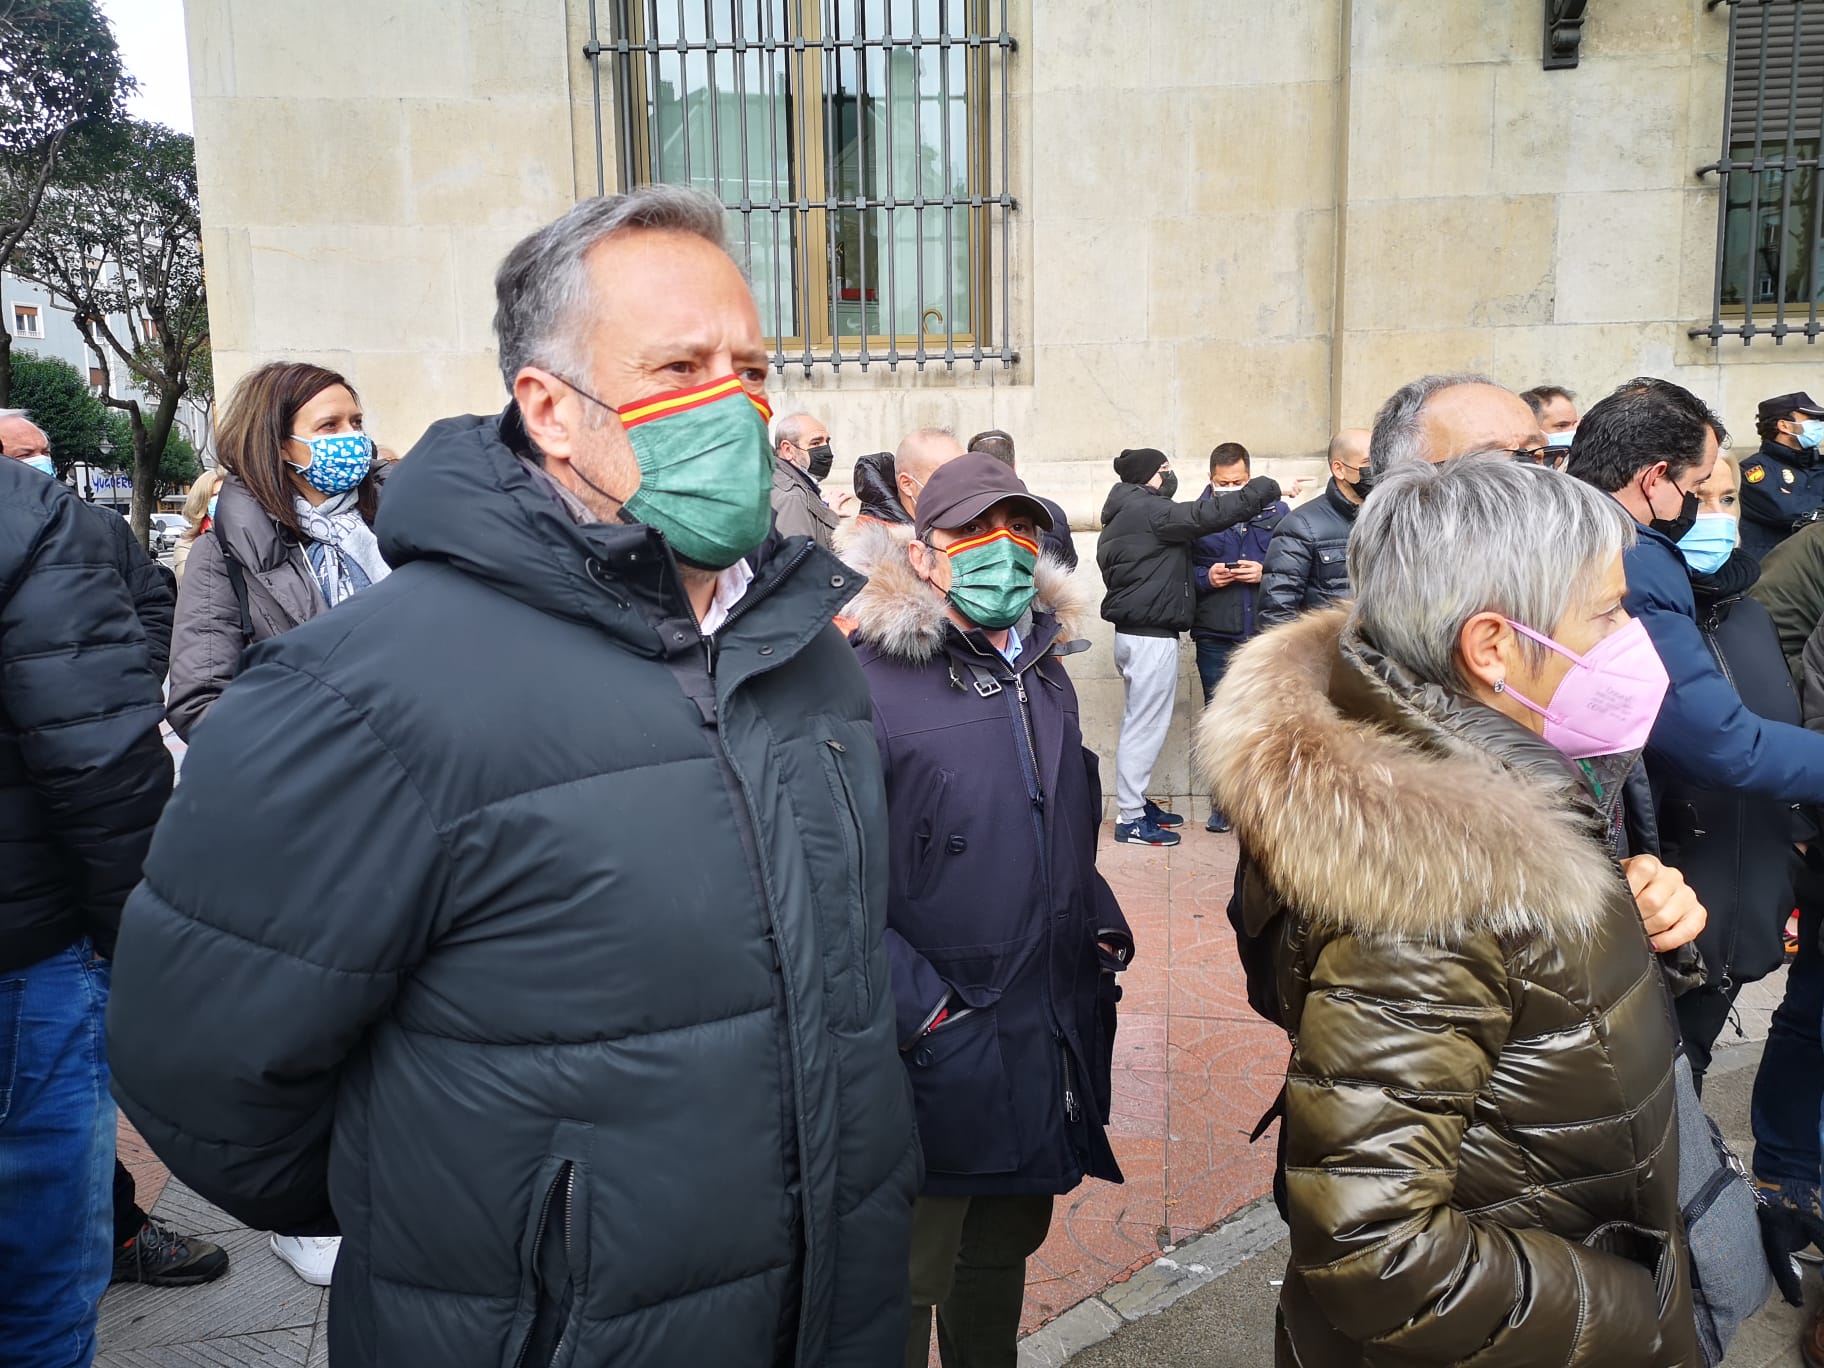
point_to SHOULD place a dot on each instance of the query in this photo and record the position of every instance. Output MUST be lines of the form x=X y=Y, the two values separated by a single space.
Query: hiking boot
x=1217 y=823
x=1144 y=832
x=1159 y=817
x=312 y=1257
x=163 y=1258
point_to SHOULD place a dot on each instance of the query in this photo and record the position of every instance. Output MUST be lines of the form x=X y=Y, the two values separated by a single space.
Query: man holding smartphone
x=1228 y=565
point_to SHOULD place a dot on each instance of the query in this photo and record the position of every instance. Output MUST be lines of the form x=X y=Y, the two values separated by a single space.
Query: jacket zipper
x=1029 y=765
x=745 y=604
x=1710 y=626
x=568 y=1186
x=858 y=927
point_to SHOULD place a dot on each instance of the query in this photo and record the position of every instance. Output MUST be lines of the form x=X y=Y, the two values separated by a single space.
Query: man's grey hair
x=26 y=415
x=1399 y=428
x=544 y=300
x=791 y=428
x=1436 y=544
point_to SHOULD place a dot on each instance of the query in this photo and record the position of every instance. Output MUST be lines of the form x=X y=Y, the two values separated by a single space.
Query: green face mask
x=706 y=472
x=991 y=577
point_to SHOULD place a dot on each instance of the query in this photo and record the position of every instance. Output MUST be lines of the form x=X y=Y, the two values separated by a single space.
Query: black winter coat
x=536 y=944
x=1228 y=613
x=83 y=771
x=1780 y=485
x=1307 y=565
x=1735 y=848
x=876 y=485
x=995 y=907
x=1145 y=551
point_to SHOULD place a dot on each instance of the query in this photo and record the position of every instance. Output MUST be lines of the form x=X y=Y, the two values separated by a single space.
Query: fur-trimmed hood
x=900 y=615
x=1381 y=806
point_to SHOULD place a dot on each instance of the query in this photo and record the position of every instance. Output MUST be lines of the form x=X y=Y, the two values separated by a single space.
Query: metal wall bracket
x=1563 y=32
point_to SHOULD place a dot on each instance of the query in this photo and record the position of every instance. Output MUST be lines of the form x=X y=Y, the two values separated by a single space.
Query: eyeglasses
x=1540 y=455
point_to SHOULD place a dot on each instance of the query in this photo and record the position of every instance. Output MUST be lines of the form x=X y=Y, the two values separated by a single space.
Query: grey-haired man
x=528 y=913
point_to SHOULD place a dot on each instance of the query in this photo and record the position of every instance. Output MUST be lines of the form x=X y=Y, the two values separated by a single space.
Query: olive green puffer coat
x=1481 y=1148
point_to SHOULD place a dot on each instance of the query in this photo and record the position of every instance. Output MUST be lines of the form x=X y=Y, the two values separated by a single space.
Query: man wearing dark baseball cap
x=1146 y=555
x=1783 y=482
x=1004 y=941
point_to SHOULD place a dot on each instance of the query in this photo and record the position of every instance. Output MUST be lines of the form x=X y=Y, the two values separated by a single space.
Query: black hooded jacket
x=83 y=772
x=1146 y=551
x=535 y=943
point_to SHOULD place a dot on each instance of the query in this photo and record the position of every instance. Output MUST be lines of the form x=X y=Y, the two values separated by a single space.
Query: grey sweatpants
x=1149 y=668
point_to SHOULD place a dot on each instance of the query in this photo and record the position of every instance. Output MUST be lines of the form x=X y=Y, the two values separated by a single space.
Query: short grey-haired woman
x=1480 y=1148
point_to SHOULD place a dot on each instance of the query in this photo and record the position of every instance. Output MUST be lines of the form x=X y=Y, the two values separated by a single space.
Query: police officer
x=1783 y=482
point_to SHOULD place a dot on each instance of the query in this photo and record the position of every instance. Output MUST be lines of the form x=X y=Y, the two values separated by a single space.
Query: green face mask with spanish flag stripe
x=706 y=475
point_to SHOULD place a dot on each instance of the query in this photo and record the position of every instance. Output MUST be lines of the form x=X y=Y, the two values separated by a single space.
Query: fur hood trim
x=1373 y=830
x=900 y=615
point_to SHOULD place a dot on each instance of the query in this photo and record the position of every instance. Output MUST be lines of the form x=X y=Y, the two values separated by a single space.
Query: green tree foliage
x=122 y=241
x=58 y=398
x=60 y=77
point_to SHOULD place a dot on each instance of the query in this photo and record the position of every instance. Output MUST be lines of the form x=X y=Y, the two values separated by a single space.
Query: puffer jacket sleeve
x=1285 y=573
x=206 y=637
x=293 y=884
x=77 y=689
x=1183 y=522
x=1393 y=1043
x=1811 y=691
x=153 y=589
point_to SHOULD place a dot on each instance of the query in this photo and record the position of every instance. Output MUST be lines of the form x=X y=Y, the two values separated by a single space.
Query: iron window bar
x=1798 y=79
x=802 y=64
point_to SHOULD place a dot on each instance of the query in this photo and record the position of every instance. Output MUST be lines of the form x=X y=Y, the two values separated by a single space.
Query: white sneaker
x=312 y=1257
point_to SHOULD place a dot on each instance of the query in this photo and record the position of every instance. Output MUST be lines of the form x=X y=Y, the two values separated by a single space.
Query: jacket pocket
x=1651 y=1249
x=554 y=1260
x=963 y=1096
x=929 y=836
x=855 y=851
x=12 y=1013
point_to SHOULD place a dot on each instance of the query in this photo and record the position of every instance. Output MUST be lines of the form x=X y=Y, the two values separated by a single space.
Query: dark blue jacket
x=1227 y=614
x=1780 y=484
x=1705 y=736
x=994 y=905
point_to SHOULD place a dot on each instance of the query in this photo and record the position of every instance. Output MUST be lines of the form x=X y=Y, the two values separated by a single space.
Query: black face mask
x=821 y=459
x=1364 y=482
x=1672 y=529
x=1168 y=483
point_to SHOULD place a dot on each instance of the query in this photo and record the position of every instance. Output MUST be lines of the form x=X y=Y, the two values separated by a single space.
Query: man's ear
x=920 y=557
x=547 y=407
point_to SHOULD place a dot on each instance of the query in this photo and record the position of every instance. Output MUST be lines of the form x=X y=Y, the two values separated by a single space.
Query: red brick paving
x=1194 y=1069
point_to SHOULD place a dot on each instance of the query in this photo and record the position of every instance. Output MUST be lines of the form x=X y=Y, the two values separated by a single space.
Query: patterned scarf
x=343 y=553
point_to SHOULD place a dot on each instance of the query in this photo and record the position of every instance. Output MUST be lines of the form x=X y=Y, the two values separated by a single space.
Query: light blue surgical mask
x=212 y=501
x=1561 y=440
x=1709 y=543
x=338 y=460
x=42 y=464
x=1811 y=432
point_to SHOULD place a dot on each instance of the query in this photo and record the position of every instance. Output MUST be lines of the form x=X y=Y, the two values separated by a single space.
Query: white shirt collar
x=731 y=584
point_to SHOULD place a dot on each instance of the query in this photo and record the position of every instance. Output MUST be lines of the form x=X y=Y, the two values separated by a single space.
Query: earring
x=1500 y=686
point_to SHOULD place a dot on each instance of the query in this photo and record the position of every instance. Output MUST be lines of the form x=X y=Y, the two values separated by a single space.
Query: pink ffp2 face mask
x=1608 y=702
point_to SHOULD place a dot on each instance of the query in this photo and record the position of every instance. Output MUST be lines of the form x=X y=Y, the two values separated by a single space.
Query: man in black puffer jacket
x=83 y=776
x=1307 y=563
x=527 y=910
x=1146 y=554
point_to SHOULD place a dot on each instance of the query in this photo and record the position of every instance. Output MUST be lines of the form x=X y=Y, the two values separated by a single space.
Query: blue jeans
x=1789 y=1088
x=56 y=1160
x=1213 y=663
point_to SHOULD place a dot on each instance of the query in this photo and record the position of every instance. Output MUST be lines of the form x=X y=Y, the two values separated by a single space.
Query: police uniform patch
x=1786 y=474
x=1756 y=474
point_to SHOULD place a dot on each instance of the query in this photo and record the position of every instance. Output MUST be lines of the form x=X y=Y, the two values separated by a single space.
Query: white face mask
x=1561 y=439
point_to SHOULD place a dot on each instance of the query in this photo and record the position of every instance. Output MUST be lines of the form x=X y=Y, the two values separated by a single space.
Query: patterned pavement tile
x=258 y=1294
x=277 y=1348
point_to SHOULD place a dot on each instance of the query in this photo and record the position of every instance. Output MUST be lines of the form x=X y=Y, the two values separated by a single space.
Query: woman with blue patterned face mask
x=290 y=537
x=1735 y=850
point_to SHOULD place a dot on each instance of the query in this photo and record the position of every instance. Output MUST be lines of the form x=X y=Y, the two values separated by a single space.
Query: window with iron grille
x=1769 y=268
x=860 y=149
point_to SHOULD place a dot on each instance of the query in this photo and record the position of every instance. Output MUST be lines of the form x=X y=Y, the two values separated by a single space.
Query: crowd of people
x=1518 y=722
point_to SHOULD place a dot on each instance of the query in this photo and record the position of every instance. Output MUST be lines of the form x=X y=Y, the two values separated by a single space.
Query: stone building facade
x=1235 y=221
